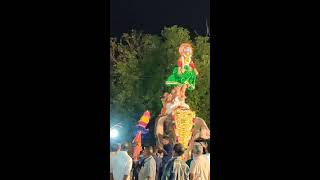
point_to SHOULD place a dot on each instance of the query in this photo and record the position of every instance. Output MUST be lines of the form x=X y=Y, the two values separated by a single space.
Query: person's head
x=165 y=140
x=185 y=49
x=168 y=150
x=188 y=51
x=115 y=147
x=148 y=151
x=197 y=149
x=178 y=149
x=125 y=146
x=202 y=141
x=160 y=153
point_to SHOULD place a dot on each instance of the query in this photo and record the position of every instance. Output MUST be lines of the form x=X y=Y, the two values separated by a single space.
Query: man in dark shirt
x=167 y=150
x=137 y=166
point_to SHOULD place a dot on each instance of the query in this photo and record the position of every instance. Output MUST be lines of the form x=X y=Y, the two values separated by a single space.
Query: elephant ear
x=204 y=130
x=156 y=125
x=201 y=123
x=159 y=129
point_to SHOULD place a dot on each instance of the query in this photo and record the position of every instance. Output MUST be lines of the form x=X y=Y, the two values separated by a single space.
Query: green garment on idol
x=188 y=77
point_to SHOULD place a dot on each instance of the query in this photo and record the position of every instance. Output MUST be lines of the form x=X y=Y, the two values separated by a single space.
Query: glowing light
x=114 y=133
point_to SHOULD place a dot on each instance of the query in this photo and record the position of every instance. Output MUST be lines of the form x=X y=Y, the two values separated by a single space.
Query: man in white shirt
x=115 y=149
x=200 y=165
x=121 y=164
x=148 y=167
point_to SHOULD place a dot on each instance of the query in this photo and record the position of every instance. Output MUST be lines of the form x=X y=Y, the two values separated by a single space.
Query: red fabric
x=179 y=63
x=192 y=64
x=147 y=114
x=138 y=148
x=143 y=124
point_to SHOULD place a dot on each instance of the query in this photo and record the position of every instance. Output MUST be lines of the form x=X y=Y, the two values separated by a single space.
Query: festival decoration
x=140 y=129
x=183 y=124
x=185 y=74
x=176 y=119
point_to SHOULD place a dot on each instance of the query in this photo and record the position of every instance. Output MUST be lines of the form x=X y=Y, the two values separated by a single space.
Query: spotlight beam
x=114 y=133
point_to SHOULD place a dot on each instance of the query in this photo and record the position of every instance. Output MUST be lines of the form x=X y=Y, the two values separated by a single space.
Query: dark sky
x=152 y=16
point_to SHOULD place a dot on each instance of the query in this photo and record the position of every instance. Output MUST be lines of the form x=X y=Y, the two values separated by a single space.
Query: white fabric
x=112 y=155
x=200 y=168
x=175 y=104
x=121 y=165
x=148 y=170
x=207 y=156
x=169 y=108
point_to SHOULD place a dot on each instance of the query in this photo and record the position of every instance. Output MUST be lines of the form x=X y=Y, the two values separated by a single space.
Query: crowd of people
x=164 y=163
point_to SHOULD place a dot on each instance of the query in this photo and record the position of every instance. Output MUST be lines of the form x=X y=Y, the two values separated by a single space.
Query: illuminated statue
x=184 y=76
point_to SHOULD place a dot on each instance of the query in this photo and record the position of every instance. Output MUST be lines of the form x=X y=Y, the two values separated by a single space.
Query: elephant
x=164 y=127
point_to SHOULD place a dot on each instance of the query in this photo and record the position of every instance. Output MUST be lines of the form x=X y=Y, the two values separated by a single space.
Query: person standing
x=148 y=167
x=176 y=168
x=137 y=166
x=115 y=149
x=167 y=150
x=157 y=157
x=200 y=165
x=121 y=164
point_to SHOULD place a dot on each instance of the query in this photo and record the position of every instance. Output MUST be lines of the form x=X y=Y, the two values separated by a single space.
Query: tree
x=141 y=64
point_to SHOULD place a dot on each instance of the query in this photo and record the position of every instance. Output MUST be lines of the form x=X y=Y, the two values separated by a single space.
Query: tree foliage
x=140 y=64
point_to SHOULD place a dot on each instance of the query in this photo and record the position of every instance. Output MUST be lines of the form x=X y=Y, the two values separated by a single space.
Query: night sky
x=152 y=16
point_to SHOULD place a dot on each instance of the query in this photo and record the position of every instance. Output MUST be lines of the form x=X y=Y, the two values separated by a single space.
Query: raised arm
x=196 y=71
